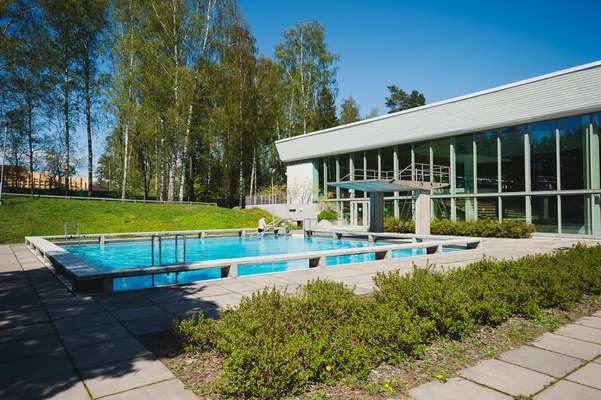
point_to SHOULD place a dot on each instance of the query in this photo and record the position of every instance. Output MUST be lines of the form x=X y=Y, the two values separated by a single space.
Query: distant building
x=524 y=151
x=18 y=177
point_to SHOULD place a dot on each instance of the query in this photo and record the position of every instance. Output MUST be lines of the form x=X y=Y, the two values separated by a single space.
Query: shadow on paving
x=51 y=340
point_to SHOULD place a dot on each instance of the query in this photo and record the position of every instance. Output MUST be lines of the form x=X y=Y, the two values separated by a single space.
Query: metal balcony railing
x=414 y=172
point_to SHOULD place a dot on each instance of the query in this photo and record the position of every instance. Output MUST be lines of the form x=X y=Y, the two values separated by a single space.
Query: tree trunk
x=171 y=184
x=125 y=161
x=67 y=134
x=30 y=139
x=86 y=78
x=185 y=154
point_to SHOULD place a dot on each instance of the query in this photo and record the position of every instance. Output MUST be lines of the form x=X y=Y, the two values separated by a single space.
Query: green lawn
x=22 y=216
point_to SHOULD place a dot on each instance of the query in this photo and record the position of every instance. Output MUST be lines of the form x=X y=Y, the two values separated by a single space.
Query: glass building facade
x=546 y=173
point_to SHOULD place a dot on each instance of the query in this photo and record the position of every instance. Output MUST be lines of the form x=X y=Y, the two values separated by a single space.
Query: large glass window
x=387 y=164
x=514 y=208
x=488 y=208
x=441 y=208
x=575 y=214
x=596 y=150
x=543 y=157
x=544 y=213
x=464 y=164
x=487 y=168
x=371 y=157
x=388 y=208
x=331 y=173
x=573 y=145
x=318 y=165
x=387 y=159
x=422 y=161
x=512 y=159
x=404 y=155
x=465 y=209
x=346 y=212
x=359 y=171
x=344 y=166
x=405 y=209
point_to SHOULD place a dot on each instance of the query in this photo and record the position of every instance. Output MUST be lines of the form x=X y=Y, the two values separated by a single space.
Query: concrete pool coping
x=87 y=277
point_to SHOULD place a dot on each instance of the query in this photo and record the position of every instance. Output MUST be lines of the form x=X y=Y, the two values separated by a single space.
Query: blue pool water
x=138 y=253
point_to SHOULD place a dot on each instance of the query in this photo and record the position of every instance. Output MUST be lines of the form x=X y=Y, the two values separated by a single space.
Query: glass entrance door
x=360 y=213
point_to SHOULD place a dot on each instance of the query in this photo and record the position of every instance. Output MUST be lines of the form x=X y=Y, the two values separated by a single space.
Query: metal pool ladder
x=158 y=237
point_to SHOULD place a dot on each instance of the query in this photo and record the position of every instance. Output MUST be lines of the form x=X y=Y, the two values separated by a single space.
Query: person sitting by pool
x=262 y=226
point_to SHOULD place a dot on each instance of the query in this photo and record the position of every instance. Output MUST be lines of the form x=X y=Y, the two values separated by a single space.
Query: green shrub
x=480 y=228
x=433 y=297
x=275 y=344
x=392 y=224
x=483 y=228
x=327 y=214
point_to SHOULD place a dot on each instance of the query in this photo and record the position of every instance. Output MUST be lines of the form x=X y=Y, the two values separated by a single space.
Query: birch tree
x=308 y=66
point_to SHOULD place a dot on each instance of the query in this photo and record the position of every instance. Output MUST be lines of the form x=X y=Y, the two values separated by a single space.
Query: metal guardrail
x=414 y=172
x=259 y=199
x=52 y=196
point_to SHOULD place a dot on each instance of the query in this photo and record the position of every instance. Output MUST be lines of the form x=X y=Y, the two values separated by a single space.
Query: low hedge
x=275 y=344
x=480 y=228
x=329 y=215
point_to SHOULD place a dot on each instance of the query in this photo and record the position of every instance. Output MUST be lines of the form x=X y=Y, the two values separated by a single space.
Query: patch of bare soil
x=198 y=371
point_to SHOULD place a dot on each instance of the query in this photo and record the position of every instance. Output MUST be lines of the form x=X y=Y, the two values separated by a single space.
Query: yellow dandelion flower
x=328 y=368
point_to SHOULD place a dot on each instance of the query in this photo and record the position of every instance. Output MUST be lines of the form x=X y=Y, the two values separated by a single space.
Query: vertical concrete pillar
x=422 y=212
x=376 y=212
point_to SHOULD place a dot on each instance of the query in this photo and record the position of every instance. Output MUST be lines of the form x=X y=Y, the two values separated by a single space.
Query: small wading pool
x=112 y=256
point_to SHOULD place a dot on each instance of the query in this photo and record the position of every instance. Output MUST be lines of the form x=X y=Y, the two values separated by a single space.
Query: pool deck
x=57 y=345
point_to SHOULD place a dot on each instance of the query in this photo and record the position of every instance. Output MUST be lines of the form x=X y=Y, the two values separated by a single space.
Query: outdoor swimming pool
x=130 y=254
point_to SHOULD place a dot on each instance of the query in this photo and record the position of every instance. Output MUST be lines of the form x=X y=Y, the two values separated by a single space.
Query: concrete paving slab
x=75 y=310
x=455 y=389
x=32 y=368
x=591 y=322
x=597 y=314
x=202 y=290
x=150 y=325
x=20 y=332
x=507 y=378
x=108 y=353
x=61 y=387
x=568 y=346
x=30 y=347
x=85 y=321
x=130 y=314
x=244 y=287
x=123 y=301
x=93 y=335
x=166 y=390
x=126 y=375
x=580 y=332
x=589 y=375
x=224 y=301
x=566 y=390
x=184 y=306
x=546 y=362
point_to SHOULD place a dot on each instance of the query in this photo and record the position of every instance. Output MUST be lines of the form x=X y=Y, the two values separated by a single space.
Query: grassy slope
x=21 y=216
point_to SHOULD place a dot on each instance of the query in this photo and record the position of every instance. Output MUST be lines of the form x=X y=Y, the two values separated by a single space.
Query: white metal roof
x=569 y=91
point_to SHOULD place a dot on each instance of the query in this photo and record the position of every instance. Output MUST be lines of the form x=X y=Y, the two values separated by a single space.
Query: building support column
x=423 y=212
x=376 y=212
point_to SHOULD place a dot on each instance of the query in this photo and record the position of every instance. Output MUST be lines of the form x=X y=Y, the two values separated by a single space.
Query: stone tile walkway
x=563 y=365
x=56 y=345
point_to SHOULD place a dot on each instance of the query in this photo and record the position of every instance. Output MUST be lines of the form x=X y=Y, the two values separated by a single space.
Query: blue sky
x=441 y=48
